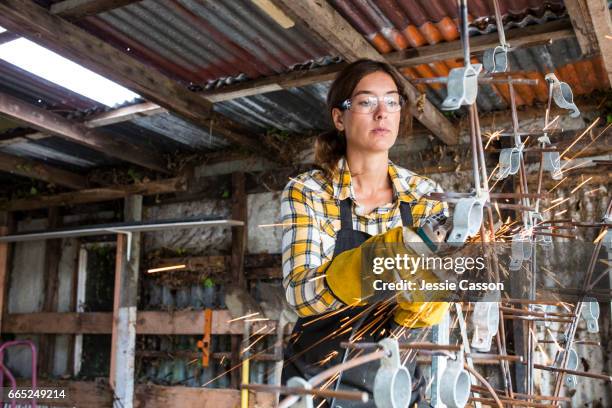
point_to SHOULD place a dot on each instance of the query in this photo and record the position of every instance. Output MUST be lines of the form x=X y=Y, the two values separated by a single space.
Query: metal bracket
x=392 y=384
x=522 y=247
x=486 y=324
x=304 y=401
x=496 y=59
x=562 y=95
x=456 y=385
x=545 y=240
x=462 y=87
x=572 y=364
x=128 y=234
x=467 y=219
x=551 y=162
x=590 y=313
x=509 y=161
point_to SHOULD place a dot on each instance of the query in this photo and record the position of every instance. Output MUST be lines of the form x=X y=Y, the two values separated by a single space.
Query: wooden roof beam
x=95 y=195
x=30 y=168
x=321 y=18
x=111 y=117
x=49 y=122
x=37 y=24
x=592 y=21
x=76 y=9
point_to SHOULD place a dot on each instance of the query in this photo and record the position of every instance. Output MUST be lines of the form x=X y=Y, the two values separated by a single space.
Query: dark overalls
x=306 y=348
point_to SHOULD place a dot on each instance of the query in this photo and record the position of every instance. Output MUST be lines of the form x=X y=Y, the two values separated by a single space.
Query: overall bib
x=310 y=341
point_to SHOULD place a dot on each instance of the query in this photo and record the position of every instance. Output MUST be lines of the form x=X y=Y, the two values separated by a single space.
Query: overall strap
x=346 y=214
x=406 y=214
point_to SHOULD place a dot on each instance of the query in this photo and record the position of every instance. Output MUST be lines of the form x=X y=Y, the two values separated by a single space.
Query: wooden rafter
x=37 y=24
x=321 y=18
x=76 y=9
x=49 y=122
x=111 y=117
x=30 y=168
x=97 y=195
x=592 y=21
x=187 y=322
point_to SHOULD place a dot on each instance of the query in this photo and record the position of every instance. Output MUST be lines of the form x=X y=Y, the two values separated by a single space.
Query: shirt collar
x=343 y=186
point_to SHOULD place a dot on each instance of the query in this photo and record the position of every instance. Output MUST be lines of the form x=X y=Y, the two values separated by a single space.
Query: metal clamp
x=306 y=400
x=562 y=95
x=590 y=313
x=392 y=384
x=467 y=219
x=496 y=59
x=522 y=247
x=509 y=161
x=545 y=241
x=572 y=364
x=551 y=162
x=486 y=324
x=462 y=87
x=455 y=385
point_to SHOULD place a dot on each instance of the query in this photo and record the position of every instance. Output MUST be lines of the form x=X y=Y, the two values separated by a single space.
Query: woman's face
x=375 y=131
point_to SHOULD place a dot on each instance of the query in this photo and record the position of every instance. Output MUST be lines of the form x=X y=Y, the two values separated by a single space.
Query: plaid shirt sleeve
x=304 y=265
x=303 y=271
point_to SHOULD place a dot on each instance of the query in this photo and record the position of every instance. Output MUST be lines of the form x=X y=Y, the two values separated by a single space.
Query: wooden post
x=53 y=249
x=239 y=234
x=124 y=310
x=4 y=264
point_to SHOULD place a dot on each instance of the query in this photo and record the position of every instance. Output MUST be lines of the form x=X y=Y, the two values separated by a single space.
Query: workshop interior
x=156 y=165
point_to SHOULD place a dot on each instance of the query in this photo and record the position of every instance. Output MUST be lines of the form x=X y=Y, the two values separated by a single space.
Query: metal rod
x=596 y=376
x=481 y=80
x=484 y=382
x=465 y=40
x=523 y=312
x=539 y=319
x=330 y=372
x=510 y=402
x=535 y=397
x=402 y=346
x=319 y=392
x=500 y=24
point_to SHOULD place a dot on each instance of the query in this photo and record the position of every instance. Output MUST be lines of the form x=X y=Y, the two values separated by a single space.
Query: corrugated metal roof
x=199 y=41
x=60 y=153
x=296 y=110
x=38 y=91
x=398 y=24
x=207 y=44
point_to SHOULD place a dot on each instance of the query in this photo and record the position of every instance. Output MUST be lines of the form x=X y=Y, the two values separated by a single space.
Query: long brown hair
x=330 y=146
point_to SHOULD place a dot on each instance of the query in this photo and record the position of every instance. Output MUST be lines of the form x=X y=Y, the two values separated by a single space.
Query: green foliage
x=208 y=283
x=134 y=175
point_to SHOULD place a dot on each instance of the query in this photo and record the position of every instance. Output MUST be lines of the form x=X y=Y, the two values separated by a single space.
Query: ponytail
x=330 y=147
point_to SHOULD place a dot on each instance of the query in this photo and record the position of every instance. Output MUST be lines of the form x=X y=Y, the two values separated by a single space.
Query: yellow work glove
x=344 y=279
x=343 y=273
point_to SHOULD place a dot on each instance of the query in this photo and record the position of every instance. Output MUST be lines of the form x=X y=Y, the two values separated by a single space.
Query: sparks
x=580 y=185
x=243 y=317
x=556 y=205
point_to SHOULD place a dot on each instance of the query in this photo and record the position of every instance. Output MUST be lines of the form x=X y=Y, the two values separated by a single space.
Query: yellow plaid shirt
x=310 y=214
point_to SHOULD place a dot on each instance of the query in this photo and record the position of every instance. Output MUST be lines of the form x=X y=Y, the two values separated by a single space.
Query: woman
x=356 y=195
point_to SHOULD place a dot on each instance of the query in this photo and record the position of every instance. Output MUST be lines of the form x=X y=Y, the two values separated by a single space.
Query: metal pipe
x=484 y=382
x=330 y=372
x=481 y=80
